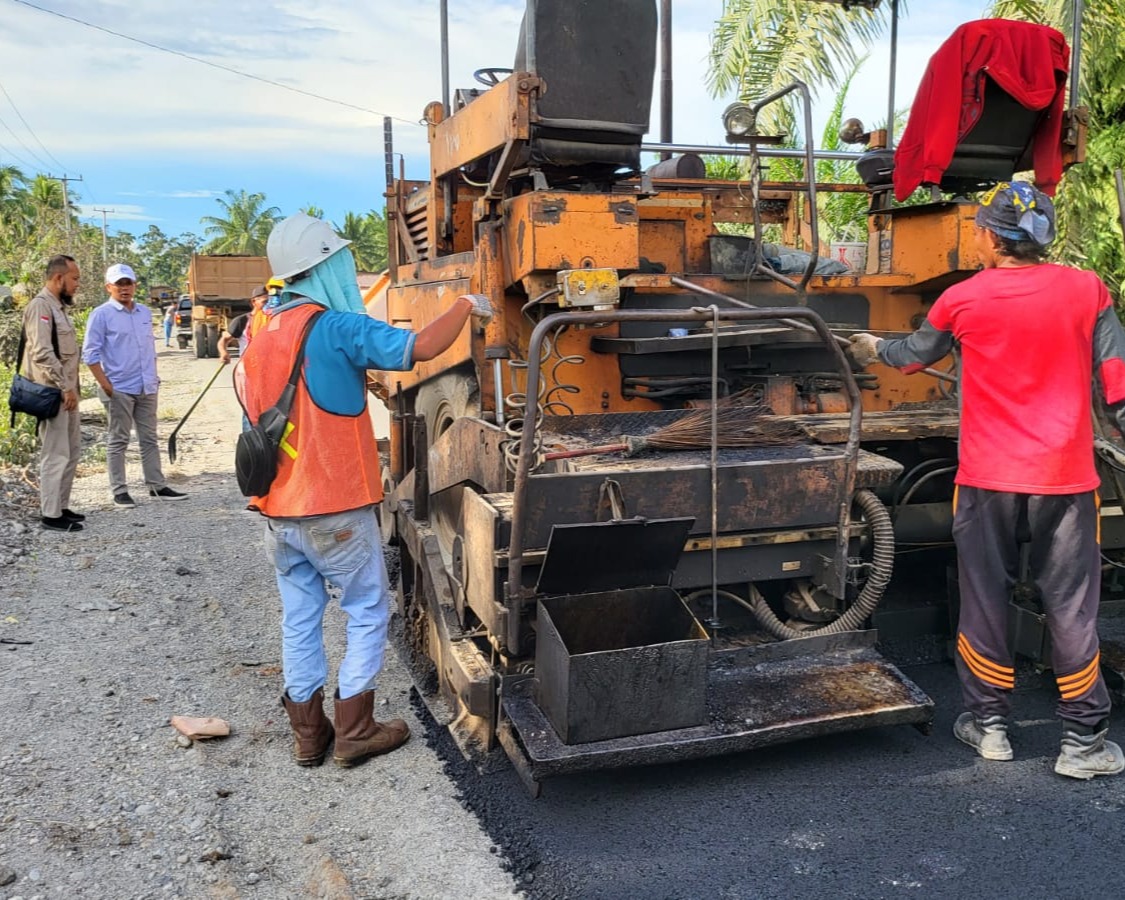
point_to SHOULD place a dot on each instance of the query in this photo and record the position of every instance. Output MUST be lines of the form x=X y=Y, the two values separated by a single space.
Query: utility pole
x=105 y=252
x=66 y=200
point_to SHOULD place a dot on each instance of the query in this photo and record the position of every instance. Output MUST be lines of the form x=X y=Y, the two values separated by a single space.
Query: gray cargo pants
x=1066 y=566
x=127 y=411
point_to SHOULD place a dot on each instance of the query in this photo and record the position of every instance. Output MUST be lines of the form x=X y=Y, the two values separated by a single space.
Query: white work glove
x=482 y=308
x=863 y=349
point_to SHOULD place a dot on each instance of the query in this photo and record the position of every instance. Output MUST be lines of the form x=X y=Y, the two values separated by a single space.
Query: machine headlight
x=739 y=120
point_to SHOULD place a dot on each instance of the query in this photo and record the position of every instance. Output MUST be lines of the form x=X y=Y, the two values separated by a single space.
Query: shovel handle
x=191 y=409
x=586 y=451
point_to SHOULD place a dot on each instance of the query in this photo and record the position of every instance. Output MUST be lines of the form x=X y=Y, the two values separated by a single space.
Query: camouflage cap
x=1018 y=211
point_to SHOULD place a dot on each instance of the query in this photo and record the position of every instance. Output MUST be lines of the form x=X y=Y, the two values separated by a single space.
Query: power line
x=19 y=140
x=213 y=65
x=23 y=162
x=28 y=127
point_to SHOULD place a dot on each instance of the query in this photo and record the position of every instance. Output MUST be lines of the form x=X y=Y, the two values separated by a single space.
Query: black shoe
x=166 y=493
x=60 y=523
x=73 y=516
x=123 y=500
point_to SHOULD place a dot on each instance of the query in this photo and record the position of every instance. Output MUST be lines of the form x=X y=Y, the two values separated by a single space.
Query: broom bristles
x=737 y=424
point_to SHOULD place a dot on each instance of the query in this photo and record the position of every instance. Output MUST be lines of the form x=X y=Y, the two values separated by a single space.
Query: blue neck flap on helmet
x=331 y=283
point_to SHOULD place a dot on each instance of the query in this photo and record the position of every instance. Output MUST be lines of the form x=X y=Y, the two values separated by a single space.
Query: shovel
x=191 y=409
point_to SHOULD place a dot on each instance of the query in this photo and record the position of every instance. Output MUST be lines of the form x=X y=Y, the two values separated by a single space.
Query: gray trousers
x=1065 y=564
x=60 y=443
x=126 y=412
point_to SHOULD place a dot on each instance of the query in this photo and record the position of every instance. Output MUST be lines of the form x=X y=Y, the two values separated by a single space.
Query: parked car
x=183 y=322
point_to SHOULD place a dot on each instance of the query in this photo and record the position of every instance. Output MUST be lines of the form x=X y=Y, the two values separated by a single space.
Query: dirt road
x=171 y=608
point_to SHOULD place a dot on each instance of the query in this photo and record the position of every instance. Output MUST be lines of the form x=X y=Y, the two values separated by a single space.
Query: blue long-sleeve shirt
x=122 y=342
x=341 y=348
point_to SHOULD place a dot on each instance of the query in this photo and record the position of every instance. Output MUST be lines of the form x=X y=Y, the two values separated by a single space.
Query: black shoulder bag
x=255 y=455
x=26 y=396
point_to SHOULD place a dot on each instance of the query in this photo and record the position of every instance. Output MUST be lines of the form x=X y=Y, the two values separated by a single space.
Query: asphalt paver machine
x=650 y=512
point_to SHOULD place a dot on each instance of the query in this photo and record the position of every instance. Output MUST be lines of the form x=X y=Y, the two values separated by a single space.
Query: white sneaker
x=988 y=736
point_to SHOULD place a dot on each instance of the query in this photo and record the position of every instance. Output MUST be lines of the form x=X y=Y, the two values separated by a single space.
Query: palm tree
x=1087 y=202
x=46 y=192
x=16 y=211
x=761 y=46
x=368 y=234
x=244 y=227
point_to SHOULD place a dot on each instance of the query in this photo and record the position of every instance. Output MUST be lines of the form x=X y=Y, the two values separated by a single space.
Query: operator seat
x=598 y=59
x=989 y=105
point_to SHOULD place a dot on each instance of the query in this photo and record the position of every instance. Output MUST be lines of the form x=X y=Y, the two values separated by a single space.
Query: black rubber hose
x=882 y=565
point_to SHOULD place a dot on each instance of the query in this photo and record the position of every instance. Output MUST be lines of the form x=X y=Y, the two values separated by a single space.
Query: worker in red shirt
x=1032 y=334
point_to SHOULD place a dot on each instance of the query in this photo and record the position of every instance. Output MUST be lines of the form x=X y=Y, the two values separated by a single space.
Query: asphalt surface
x=886 y=812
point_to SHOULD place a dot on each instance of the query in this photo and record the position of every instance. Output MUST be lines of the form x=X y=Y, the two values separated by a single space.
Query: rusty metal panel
x=663 y=242
x=497 y=116
x=481 y=580
x=468 y=451
x=621 y=663
x=549 y=231
x=765 y=562
x=618 y=554
x=771 y=694
x=786 y=491
x=894 y=425
x=935 y=244
x=416 y=306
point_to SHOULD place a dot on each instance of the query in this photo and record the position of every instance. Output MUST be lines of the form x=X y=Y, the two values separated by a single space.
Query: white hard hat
x=300 y=242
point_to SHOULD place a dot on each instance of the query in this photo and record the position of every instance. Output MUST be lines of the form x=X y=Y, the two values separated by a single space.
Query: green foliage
x=18 y=443
x=368 y=234
x=1088 y=215
x=761 y=46
x=244 y=227
x=166 y=259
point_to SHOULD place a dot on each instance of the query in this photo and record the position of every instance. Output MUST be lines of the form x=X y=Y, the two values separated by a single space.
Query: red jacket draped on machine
x=1030 y=62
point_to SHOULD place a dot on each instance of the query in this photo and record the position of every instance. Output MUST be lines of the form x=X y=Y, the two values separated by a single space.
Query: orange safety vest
x=328 y=463
x=259 y=319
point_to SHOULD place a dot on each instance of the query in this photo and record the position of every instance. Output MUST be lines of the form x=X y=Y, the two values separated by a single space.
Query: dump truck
x=219 y=287
x=650 y=511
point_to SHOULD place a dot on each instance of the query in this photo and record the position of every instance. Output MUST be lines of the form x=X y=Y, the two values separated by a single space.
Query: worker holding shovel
x=1032 y=335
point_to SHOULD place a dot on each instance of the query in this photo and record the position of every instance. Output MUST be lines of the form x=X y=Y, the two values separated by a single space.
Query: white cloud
x=119 y=212
x=105 y=104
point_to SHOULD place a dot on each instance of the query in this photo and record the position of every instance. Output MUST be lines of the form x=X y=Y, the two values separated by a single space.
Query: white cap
x=118 y=271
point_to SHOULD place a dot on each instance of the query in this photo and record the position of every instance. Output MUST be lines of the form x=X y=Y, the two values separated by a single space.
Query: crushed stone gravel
x=171 y=609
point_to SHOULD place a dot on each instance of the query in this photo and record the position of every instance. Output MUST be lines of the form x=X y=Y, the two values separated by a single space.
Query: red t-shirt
x=1027 y=346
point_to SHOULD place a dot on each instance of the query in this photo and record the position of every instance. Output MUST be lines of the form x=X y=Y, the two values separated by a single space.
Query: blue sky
x=157 y=137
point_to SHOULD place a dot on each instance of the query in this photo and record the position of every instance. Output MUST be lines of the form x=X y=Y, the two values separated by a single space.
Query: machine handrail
x=515 y=591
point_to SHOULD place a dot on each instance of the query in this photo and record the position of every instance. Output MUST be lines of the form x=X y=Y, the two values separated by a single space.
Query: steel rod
x=735 y=150
x=789 y=323
x=714 y=623
x=893 y=75
x=1076 y=11
x=666 y=75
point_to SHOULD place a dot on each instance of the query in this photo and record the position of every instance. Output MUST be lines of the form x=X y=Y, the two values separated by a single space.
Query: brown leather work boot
x=311 y=729
x=359 y=736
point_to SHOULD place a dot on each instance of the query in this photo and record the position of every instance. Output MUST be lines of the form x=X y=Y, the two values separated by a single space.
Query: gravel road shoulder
x=171 y=609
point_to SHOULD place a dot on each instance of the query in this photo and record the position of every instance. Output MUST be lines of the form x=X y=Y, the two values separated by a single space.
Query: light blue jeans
x=347 y=549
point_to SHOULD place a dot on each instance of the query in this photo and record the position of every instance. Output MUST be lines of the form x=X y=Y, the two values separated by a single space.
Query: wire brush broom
x=738 y=425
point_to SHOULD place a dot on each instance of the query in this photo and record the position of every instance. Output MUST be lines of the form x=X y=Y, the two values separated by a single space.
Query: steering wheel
x=491 y=77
